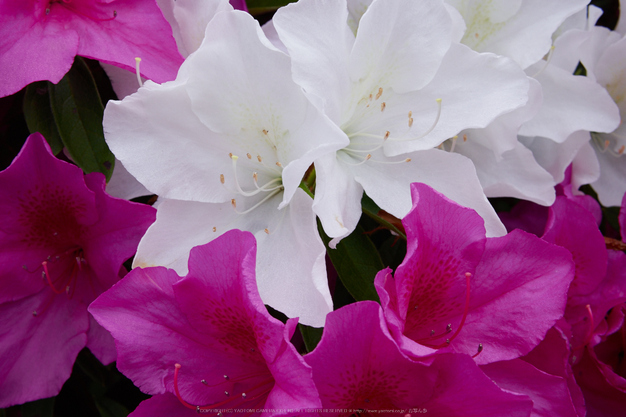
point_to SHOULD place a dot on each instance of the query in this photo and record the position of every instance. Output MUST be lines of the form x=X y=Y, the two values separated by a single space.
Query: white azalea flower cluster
x=476 y=98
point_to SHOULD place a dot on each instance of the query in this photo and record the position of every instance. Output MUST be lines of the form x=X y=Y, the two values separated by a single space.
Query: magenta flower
x=461 y=291
x=358 y=367
x=594 y=316
x=205 y=342
x=62 y=242
x=40 y=39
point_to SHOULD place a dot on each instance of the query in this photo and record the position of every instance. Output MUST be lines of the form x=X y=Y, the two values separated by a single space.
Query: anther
x=265 y=132
x=382 y=106
x=137 y=61
x=464 y=137
x=230 y=154
x=621 y=149
x=226 y=393
x=386 y=135
x=380 y=93
x=234 y=203
x=243 y=395
x=222 y=178
x=47 y=11
x=432 y=332
x=410 y=122
x=204 y=382
x=267 y=231
x=35 y=313
x=278 y=164
x=258 y=157
x=249 y=156
x=226 y=377
x=407 y=160
x=214 y=229
x=480 y=349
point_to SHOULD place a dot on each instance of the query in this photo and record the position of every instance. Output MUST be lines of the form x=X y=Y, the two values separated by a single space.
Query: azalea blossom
x=533 y=147
x=205 y=343
x=233 y=158
x=594 y=316
x=398 y=86
x=41 y=38
x=357 y=366
x=451 y=290
x=63 y=242
x=602 y=54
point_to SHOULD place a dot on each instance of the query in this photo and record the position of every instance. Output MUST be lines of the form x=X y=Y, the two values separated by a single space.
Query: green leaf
x=357 y=262
x=264 y=6
x=310 y=335
x=38 y=114
x=39 y=408
x=78 y=113
x=372 y=210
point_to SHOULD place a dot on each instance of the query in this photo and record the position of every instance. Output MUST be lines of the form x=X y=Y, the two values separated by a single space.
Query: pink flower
x=205 y=342
x=62 y=242
x=358 y=366
x=460 y=291
x=40 y=39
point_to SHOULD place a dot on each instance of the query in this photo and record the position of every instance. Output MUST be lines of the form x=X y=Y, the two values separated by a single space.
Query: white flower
x=398 y=88
x=225 y=146
x=524 y=31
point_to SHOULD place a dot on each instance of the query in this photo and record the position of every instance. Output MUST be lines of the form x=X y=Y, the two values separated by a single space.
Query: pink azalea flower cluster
x=263 y=146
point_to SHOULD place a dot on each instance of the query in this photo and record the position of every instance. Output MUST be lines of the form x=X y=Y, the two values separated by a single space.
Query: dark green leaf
x=38 y=114
x=311 y=336
x=78 y=111
x=264 y=6
x=357 y=262
x=110 y=408
x=39 y=408
x=372 y=210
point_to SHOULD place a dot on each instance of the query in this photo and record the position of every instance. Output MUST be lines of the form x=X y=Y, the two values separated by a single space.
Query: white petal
x=556 y=157
x=516 y=174
x=319 y=42
x=451 y=174
x=570 y=103
x=501 y=135
x=163 y=144
x=123 y=185
x=337 y=197
x=474 y=88
x=611 y=185
x=585 y=167
x=525 y=36
x=191 y=20
x=392 y=50
x=291 y=268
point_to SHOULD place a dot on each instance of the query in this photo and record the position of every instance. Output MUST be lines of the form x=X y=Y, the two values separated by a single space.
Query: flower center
x=365 y=131
x=259 y=385
x=272 y=182
x=433 y=340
